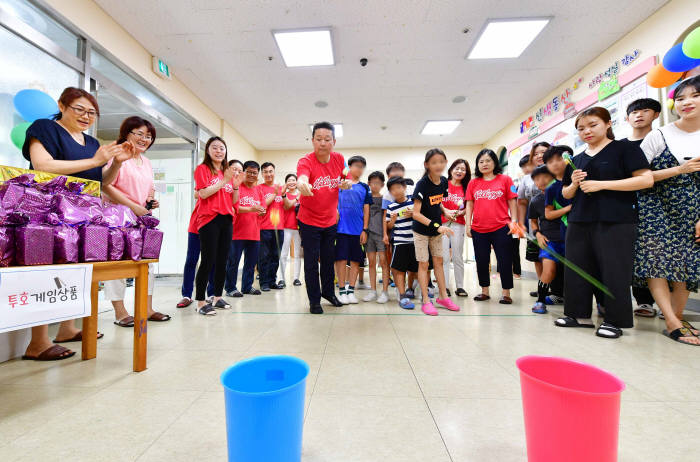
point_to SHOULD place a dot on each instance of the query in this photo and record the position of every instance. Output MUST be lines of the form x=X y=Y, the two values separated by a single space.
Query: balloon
x=670 y=93
x=34 y=104
x=676 y=61
x=18 y=133
x=670 y=103
x=658 y=77
x=691 y=44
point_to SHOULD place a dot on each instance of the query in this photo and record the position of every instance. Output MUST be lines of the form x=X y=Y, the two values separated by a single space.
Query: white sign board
x=32 y=296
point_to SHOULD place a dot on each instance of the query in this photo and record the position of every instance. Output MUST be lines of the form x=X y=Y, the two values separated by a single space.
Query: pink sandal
x=429 y=309
x=447 y=303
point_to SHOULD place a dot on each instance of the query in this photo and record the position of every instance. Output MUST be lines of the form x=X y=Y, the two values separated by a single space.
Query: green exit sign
x=160 y=68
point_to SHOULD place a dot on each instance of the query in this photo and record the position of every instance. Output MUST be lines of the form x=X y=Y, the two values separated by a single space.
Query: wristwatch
x=366 y=230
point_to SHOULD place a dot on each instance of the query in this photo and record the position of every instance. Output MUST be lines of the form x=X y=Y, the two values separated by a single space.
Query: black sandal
x=567 y=321
x=481 y=298
x=607 y=330
x=461 y=292
x=692 y=328
x=680 y=333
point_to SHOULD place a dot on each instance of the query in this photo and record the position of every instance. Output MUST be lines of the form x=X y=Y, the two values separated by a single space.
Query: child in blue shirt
x=353 y=223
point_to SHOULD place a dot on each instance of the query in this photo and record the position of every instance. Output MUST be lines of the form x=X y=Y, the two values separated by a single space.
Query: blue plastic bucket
x=265 y=408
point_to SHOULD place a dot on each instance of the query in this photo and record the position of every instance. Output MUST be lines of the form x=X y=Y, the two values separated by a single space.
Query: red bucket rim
x=615 y=378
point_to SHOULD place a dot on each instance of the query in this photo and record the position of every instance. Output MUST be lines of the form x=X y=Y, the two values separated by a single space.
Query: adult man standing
x=271 y=230
x=320 y=174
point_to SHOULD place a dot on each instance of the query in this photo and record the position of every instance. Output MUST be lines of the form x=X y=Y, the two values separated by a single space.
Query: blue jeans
x=191 y=267
x=269 y=258
x=238 y=247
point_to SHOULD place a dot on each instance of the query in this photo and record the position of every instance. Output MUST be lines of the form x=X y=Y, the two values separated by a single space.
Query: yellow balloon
x=669 y=104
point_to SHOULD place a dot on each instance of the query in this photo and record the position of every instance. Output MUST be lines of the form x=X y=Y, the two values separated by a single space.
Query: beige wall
x=652 y=37
x=89 y=18
x=377 y=158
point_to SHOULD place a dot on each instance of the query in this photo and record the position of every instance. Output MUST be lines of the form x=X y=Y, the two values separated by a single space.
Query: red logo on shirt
x=454 y=198
x=488 y=194
x=326 y=182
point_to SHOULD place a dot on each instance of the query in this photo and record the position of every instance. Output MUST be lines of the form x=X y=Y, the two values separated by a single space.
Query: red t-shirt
x=247 y=224
x=277 y=204
x=491 y=202
x=193 y=219
x=452 y=201
x=290 y=216
x=321 y=209
x=219 y=203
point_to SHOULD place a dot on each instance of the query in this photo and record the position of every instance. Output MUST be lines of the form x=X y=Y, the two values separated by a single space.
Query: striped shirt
x=403 y=233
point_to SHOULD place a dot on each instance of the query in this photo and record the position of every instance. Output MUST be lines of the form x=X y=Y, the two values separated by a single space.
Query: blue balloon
x=676 y=61
x=34 y=104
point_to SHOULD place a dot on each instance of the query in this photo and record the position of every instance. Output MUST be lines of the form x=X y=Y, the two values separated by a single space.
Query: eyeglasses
x=248 y=172
x=80 y=111
x=143 y=136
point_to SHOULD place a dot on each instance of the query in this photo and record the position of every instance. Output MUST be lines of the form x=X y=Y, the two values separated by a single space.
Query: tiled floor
x=385 y=384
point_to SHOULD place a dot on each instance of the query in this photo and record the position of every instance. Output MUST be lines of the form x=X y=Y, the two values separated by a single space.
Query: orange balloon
x=659 y=77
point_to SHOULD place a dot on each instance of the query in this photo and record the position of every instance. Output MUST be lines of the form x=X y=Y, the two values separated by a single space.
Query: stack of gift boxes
x=55 y=222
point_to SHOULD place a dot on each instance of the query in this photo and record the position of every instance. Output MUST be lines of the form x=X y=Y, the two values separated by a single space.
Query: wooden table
x=107 y=271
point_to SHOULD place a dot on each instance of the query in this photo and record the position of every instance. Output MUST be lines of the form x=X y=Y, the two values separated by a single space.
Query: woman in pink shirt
x=133 y=187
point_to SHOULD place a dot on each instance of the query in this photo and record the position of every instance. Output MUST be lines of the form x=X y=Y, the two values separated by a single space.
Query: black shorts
x=347 y=247
x=403 y=258
x=532 y=252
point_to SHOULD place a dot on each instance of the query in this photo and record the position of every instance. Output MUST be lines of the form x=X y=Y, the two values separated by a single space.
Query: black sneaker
x=234 y=293
x=265 y=288
x=297 y=282
x=207 y=310
x=222 y=305
x=253 y=291
x=534 y=294
x=333 y=300
x=316 y=309
x=281 y=285
x=276 y=286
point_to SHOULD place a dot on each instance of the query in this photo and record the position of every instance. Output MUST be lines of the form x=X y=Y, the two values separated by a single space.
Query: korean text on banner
x=32 y=296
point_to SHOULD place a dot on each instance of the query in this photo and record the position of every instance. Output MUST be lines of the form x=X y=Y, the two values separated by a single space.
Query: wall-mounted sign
x=552 y=107
x=608 y=87
x=614 y=69
x=161 y=69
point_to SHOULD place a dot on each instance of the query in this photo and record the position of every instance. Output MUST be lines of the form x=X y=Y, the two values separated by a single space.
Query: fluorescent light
x=311 y=47
x=440 y=127
x=145 y=100
x=506 y=38
x=338 y=129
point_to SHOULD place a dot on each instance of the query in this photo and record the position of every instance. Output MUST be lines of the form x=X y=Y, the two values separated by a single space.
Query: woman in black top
x=60 y=146
x=602 y=223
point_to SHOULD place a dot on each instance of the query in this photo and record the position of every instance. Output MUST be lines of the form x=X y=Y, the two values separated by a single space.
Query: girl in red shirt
x=458 y=176
x=217 y=185
x=490 y=198
x=291 y=229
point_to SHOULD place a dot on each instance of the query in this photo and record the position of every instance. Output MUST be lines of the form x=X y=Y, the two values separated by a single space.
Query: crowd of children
x=622 y=213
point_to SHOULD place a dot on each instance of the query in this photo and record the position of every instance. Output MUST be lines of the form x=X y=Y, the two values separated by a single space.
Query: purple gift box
x=65 y=244
x=7 y=246
x=36 y=204
x=76 y=210
x=133 y=241
x=116 y=244
x=152 y=240
x=118 y=216
x=94 y=243
x=34 y=244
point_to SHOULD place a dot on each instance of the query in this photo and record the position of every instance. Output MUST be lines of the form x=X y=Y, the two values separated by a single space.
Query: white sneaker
x=351 y=298
x=370 y=297
x=343 y=299
x=383 y=298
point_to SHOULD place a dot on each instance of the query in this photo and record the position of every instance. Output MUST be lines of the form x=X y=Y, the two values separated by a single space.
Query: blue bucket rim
x=522 y=359
x=243 y=362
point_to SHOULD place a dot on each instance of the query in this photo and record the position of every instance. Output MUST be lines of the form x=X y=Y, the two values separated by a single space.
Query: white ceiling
x=416 y=50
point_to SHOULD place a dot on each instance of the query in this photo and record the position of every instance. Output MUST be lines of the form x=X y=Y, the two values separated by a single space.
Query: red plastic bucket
x=572 y=410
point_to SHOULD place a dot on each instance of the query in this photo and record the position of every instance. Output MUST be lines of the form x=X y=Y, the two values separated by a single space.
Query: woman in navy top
x=60 y=146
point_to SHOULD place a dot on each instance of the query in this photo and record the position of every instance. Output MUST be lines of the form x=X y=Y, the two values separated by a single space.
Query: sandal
x=694 y=330
x=461 y=292
x=645 y=311
x=505 y=300
x=607 y=330
x=125 y=322
x=681 y=333
x=184 y=303
x=77 y=338
x=52 y=353
x=159 y=317
x=567 y=321
x=481 y=298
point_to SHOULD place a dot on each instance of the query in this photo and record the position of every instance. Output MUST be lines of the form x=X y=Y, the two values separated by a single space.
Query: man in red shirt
x=319 y=176
x=271 y=228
